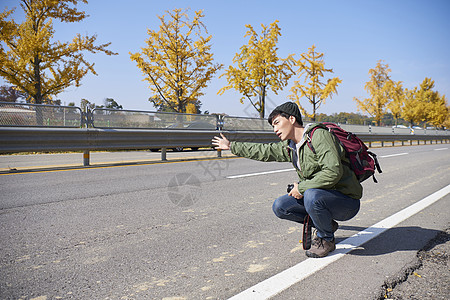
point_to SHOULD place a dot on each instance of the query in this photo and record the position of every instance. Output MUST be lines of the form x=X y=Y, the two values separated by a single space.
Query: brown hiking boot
x=306 y=238
x=320 y=248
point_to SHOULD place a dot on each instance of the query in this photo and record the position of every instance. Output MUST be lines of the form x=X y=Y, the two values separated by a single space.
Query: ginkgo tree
x=397 y=96
x=434 y=104
x=423 y=104
x=311 y=66
x=177 y=61
x=446 y=123
x=35 y=64
x=438 y=112
x=412 y=110
x=258 y=69
x=379 y=87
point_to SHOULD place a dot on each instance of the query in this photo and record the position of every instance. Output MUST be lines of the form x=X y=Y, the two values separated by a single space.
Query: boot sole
x=314 y=255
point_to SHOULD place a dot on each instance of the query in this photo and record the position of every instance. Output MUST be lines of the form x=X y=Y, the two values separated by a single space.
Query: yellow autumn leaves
x=178 y=64
x=32 y=62
x=420 y=104
x=177 y=61
x=312 y=67
x=259 y=69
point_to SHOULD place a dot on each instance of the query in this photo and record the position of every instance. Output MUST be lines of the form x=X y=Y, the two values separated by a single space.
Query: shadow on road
x=408 y=238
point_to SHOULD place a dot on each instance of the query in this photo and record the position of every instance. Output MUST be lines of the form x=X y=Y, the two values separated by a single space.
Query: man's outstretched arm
x=256 y=151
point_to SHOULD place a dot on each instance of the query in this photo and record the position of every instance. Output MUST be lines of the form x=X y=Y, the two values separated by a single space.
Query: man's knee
x=282 y=206
x=312 y=198
x=277 y=208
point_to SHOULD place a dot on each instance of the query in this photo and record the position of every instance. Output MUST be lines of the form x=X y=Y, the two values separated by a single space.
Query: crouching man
x=328 y=189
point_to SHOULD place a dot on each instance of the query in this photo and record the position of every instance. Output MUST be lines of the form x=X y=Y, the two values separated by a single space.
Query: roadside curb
x=417 y=279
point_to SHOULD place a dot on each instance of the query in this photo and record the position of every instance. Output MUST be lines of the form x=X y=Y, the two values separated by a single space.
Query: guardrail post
x=219 y=122
x=86 y=158
x=164 y=154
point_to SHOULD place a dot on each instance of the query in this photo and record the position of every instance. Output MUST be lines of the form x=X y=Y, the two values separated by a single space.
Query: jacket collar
x=305 y=137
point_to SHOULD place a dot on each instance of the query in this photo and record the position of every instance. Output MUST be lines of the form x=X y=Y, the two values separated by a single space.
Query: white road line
x=260 y=173
x=281 y=281
x=391 y=155
x=440 y=149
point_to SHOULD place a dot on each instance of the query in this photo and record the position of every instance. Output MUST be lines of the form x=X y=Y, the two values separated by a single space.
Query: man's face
x=283 y=128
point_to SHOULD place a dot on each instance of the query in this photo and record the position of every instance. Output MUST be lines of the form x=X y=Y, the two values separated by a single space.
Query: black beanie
x=289 y=108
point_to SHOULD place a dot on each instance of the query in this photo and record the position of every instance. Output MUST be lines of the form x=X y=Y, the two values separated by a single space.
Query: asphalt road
x=183 y=230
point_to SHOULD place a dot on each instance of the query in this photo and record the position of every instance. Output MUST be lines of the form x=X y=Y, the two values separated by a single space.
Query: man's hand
x=221 y=143
x=295 y=193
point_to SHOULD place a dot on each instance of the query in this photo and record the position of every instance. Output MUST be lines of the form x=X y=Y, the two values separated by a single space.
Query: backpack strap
x=377 y=165
x=375 y=159
x=310 y=134
x=308 y=142
x=323 y=126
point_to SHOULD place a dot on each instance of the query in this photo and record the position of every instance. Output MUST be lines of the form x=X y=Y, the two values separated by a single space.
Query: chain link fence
x=112 y=118
x=242 y=123
x=38 y=115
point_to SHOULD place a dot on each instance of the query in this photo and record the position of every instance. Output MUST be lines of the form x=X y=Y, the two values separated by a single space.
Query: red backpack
x=362 y=161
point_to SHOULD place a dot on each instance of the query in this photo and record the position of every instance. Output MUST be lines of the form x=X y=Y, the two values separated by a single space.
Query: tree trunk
x=262 y=101
x=314 y=109
x=38 y=91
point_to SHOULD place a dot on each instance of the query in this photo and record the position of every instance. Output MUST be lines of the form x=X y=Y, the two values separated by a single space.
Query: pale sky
x=411 y=36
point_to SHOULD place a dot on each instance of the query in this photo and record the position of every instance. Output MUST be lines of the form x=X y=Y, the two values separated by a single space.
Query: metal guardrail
x=16 y=139
x=150 y=130
x=19 y=139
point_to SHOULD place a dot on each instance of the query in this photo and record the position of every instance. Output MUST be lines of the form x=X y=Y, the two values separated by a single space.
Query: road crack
x=430 y=257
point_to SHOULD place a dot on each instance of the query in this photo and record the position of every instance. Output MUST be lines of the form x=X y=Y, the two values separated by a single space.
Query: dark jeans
x=323 y=206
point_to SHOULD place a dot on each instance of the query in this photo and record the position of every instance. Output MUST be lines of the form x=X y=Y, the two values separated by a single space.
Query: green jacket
x=323 y=170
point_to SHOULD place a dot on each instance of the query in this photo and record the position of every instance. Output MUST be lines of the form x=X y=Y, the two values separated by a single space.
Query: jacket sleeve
x=329 y=169
x=262 y=152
